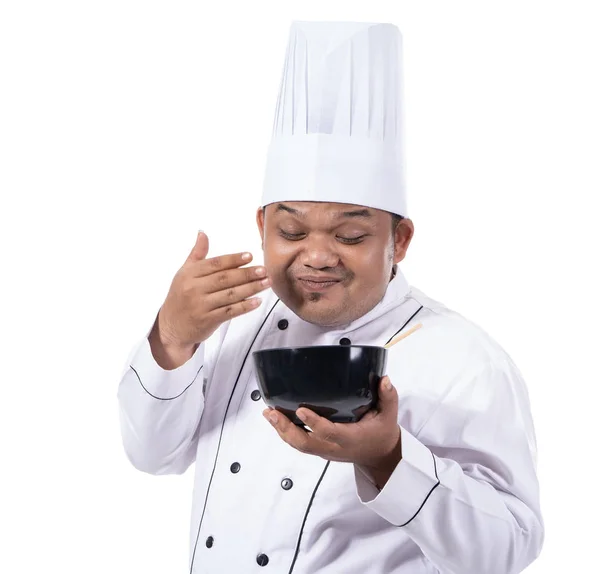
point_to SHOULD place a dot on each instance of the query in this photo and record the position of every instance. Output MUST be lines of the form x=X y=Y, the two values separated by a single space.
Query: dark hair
x=396 y=219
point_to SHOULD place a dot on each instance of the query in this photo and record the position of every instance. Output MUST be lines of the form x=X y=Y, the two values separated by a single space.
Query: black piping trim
x=427 y=497
x=223 y=428
x=306 y=516
x=162 y=398
x=407 y=322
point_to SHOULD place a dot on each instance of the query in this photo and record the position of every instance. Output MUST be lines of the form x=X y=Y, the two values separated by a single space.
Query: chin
x=313 y=308
x=322 y=317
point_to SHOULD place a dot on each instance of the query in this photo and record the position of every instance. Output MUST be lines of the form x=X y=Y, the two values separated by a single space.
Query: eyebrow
x=365 y=213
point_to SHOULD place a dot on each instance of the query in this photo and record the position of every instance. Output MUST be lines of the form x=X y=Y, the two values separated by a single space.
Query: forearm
x=469 y=526
x=160 y=411
x=462 y=524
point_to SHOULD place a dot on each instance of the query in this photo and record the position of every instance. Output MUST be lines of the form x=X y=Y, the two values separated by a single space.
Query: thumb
x=388 y=397
x=200 y=249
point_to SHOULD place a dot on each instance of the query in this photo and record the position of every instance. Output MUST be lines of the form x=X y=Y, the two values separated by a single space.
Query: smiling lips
x=313 y=283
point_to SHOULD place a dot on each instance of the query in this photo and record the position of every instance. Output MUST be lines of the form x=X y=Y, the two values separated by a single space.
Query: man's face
x=330 y=263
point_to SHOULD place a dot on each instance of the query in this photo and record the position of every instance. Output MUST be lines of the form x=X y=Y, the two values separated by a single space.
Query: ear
x=260 y=222
x=403 y=235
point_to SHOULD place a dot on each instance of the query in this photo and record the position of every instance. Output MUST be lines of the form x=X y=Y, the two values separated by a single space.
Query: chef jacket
x=463 y=499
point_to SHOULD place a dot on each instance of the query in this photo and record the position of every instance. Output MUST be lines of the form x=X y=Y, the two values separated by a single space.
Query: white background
x=125 y=126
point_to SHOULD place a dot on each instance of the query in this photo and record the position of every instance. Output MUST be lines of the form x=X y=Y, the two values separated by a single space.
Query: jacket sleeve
x=160 y=410
x=466 y=489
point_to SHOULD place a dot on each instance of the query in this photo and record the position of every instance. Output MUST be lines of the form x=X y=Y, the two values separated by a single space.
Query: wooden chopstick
x=403 y=335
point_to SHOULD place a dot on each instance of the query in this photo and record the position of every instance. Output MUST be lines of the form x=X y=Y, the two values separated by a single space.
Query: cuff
x=408 y=488
x=162 y=384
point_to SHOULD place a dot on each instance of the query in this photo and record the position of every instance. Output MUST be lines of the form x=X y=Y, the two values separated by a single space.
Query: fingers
x=224 y=280
x=367 y=442
x=322 y=428
x=200 y=249
x=232 y=310
x=220 y=286
x=388 y=398
x=204 y=267
x=236 y=294
x=290 y=432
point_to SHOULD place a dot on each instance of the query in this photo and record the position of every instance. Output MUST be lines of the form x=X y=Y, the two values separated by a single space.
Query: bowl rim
x=379 y=347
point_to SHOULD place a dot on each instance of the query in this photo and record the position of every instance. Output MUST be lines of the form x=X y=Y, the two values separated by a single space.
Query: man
x=440 y=477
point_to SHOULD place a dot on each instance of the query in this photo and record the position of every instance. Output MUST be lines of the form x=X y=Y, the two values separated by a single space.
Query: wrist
x=175 y=346
x=163 y=333
x=168 y=352
x=382 y=468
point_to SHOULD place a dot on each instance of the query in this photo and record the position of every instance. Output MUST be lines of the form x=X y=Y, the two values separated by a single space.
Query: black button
x=262 y=559
x=209 y=542
x=345 y=341
x=255 y=395
x=235 y=467
x=283 y=325
x=287 y=483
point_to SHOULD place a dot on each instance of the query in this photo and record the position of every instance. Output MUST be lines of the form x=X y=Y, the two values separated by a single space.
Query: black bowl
x=337 y=382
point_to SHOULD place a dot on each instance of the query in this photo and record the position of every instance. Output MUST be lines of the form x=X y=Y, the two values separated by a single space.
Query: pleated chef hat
x=338 y=129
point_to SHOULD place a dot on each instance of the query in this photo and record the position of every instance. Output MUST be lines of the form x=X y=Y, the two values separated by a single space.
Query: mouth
x=317 y=285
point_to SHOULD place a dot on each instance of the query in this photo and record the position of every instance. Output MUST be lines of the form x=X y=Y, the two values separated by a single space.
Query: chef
x=441 y=475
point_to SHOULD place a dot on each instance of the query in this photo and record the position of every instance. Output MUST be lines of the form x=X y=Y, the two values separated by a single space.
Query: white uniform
x=464 y=498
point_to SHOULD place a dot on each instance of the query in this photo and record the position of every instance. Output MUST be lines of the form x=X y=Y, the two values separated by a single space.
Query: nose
x=319 y=254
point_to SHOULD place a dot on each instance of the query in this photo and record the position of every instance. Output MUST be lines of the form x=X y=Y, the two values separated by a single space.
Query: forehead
x=318 y=208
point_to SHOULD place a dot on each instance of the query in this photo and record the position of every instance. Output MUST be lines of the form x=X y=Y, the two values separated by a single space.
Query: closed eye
x=300 y=236
x=351 y=240
x=291 y=236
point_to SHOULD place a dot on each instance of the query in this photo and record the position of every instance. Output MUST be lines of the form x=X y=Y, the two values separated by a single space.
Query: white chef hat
x=338 y=129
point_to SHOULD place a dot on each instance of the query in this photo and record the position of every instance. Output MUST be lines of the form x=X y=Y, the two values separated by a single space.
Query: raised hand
x=204 y=294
